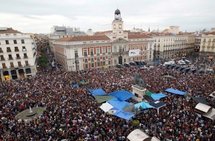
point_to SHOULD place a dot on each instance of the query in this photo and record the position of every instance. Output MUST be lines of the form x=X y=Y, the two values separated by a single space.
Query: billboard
x=134 y=52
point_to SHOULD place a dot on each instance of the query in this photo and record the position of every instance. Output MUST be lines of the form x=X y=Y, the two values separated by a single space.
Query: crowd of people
x=73 y=114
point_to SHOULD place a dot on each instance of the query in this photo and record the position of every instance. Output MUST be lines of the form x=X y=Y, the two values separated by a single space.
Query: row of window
x=98 y=51
x=209 y=40
x=12 y=64
x=7 y=42
x=16 y=49
x=25 y=56
x=94 y=59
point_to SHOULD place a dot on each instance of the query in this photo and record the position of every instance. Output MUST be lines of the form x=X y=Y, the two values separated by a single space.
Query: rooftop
x=85 y=38
x=8 y=30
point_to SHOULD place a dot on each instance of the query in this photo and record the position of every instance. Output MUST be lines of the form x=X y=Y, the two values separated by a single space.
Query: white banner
x=134 y=52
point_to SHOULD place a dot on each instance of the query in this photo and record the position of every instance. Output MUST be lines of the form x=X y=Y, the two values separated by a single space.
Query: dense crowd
x=73 y=114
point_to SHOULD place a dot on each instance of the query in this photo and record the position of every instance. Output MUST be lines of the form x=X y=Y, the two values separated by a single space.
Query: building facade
x=17 y=55
x=103 y=50
x=206 y=42
x=169 y=46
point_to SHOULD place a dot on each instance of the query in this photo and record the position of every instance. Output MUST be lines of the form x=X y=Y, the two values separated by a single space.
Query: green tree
x=43 y=61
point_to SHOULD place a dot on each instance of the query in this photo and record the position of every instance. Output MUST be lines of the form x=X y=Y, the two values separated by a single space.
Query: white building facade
x=206 y=43
x=173 y=46
x=105 y=50
x=17 y=55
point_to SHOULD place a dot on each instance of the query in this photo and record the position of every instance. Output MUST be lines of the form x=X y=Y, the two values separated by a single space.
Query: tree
x=43 y=61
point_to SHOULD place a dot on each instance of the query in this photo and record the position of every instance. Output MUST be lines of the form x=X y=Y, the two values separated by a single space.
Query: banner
x=134 y=52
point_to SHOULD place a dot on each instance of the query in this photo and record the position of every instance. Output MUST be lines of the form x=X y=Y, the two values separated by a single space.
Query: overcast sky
x=39 y=16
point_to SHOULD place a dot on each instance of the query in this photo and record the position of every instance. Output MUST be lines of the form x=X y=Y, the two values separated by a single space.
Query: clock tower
x=117 y=25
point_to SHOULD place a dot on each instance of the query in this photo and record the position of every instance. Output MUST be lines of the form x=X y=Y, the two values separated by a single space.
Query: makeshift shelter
x=124 y=115
x=106 y=107
x=210 y=114
x=122 y=95
x=203 y=107
x=200 y=100
x=157 y=105
x=148 y=93
x=206 y=110
x=143 y=105
x=120 y=105
x=175 y=91
x=212 y=94
x=158 y=96
x=139 y=135
x=129 y=108
x=102 y=99
x=96 y=92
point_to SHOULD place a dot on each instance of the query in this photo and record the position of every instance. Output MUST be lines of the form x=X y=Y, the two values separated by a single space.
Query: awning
x=106 y=107
x=202 y=107
x=137 y=135
x=210 y=114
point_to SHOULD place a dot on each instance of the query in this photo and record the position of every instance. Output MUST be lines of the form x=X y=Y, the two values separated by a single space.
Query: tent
x=210 y=114
x=124 y=115
x=157 y=105
x=106 y=107
x=158 y=96
x=143 y=105
x=212 y=94
x=175 y=91
x=200 y=100
x=139 y=135
x=96 y=92
x=148 y=93
x=203 y=107
x=101 y=99
x=120 y=105
x=122 y=94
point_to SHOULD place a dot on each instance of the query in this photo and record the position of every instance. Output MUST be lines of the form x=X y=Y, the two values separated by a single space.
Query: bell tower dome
x=117 y=14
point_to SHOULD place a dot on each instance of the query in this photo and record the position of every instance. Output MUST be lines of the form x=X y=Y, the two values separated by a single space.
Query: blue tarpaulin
x=124 y=115
x=122 y=94
x=96 y=92
x=158 y=96
x=118 y=104
x=175 y=91
x=143 y=105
